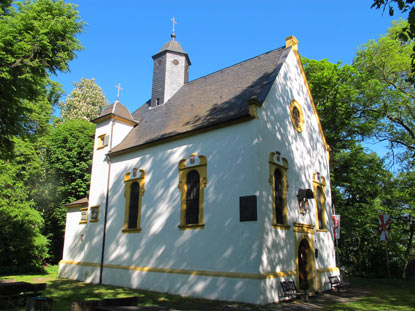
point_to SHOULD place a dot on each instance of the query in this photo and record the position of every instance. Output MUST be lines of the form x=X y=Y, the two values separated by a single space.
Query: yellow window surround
x=297 y=116
x=201 y=169
x=320 y=182
x=128 y=181
x=84 y=215
x=102 y=141
x=281 y=164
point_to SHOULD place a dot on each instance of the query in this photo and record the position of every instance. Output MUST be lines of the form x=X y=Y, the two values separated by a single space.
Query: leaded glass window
x=192 y=197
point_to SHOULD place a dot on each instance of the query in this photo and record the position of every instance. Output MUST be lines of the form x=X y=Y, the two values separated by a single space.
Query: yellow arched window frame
x=319 y=188
x=128 y=183
x=297 y=116
x=201 y=169
x=280 y=165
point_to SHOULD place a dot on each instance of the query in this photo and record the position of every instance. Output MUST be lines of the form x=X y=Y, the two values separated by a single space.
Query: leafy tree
x=22 y=246
x=362 y=187
x=85 y=102
x=384 y=67
x=68 y=158
x=37 y=38
x=404 y=214
x=360 y=184
x=335 y=89
x=405 y=6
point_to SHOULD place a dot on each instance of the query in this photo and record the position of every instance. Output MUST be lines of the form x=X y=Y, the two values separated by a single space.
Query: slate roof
x=116 y=109
x=172 y=46
x=77 y=203
x=208 y=101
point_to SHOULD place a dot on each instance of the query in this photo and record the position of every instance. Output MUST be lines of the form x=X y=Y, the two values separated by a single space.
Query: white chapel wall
x=224 y=245
x=306 y=155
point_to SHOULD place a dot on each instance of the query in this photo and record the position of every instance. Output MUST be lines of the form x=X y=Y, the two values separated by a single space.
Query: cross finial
x=173 y=35
x=118 y=86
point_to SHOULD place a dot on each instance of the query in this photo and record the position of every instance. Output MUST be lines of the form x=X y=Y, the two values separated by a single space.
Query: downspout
x=101 y=270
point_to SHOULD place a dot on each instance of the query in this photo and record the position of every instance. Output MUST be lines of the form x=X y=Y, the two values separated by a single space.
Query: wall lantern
x=303 y=196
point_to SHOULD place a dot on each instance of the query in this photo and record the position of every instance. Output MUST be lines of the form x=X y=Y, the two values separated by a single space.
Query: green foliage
x=85 y=102
x=22 y=246
x=371 y=99
x=335 y=89
x=37 y=38
x=384 y=68
x=360 y=184
x=68 y=158
x=366 y=294
x=405 y=6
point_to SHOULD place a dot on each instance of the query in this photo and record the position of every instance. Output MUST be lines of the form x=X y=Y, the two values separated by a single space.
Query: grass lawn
x=380 y=295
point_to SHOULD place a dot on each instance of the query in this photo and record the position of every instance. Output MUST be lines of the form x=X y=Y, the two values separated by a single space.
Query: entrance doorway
x=305 y=266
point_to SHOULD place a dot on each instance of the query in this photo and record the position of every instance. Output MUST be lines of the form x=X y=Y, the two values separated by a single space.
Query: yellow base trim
x=330 y=269
x=79 y=263
x=238 y=275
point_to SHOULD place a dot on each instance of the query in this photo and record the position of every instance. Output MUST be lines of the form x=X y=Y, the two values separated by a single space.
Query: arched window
x=192 y=198
x=319 y=186
x=133 y=208
x=192 y=184
x=134 y=191
x=279 y=219
x=320 y=202
x=277 y=179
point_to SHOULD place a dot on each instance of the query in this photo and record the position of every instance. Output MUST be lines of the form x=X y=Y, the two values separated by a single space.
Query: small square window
x=94 y=214
x=84 y=215
x=103 y=141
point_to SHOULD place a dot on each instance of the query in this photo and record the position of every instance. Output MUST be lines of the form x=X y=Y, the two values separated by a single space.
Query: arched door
x=306 y=270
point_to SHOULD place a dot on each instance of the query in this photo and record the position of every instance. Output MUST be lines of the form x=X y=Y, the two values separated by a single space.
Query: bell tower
x=170 y=71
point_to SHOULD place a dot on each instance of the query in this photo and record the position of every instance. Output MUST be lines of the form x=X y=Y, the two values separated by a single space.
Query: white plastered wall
x=224 y=245
x=306 y=154
x=83 y=242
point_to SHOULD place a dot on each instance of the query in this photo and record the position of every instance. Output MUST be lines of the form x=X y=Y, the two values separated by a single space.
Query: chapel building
x=217 y=187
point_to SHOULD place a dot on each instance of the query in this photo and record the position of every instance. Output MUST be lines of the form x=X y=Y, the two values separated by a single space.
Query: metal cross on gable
x=118 y=86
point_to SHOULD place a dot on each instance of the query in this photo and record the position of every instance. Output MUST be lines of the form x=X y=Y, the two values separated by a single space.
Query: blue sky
x=121 y=36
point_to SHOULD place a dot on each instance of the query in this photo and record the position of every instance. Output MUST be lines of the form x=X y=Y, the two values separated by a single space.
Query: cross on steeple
x=118 y=86
x=173 y=35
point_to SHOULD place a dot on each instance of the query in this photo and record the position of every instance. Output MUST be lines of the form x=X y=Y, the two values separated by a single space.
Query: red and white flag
x=384 y=223
x=336 y=226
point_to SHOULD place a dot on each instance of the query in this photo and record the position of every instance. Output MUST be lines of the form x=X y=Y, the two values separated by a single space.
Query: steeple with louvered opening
x=170 y=71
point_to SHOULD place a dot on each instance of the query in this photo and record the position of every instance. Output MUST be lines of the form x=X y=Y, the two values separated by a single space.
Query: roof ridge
x=215 y=72
x=244 y=61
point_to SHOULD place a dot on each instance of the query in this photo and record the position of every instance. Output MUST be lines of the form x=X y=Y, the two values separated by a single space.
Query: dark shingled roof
x=116 y=109
x=208 y=101
x=80 y=202
x=172 y=46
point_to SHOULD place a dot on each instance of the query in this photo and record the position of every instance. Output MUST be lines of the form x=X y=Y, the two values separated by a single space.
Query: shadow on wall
x=225 y=244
